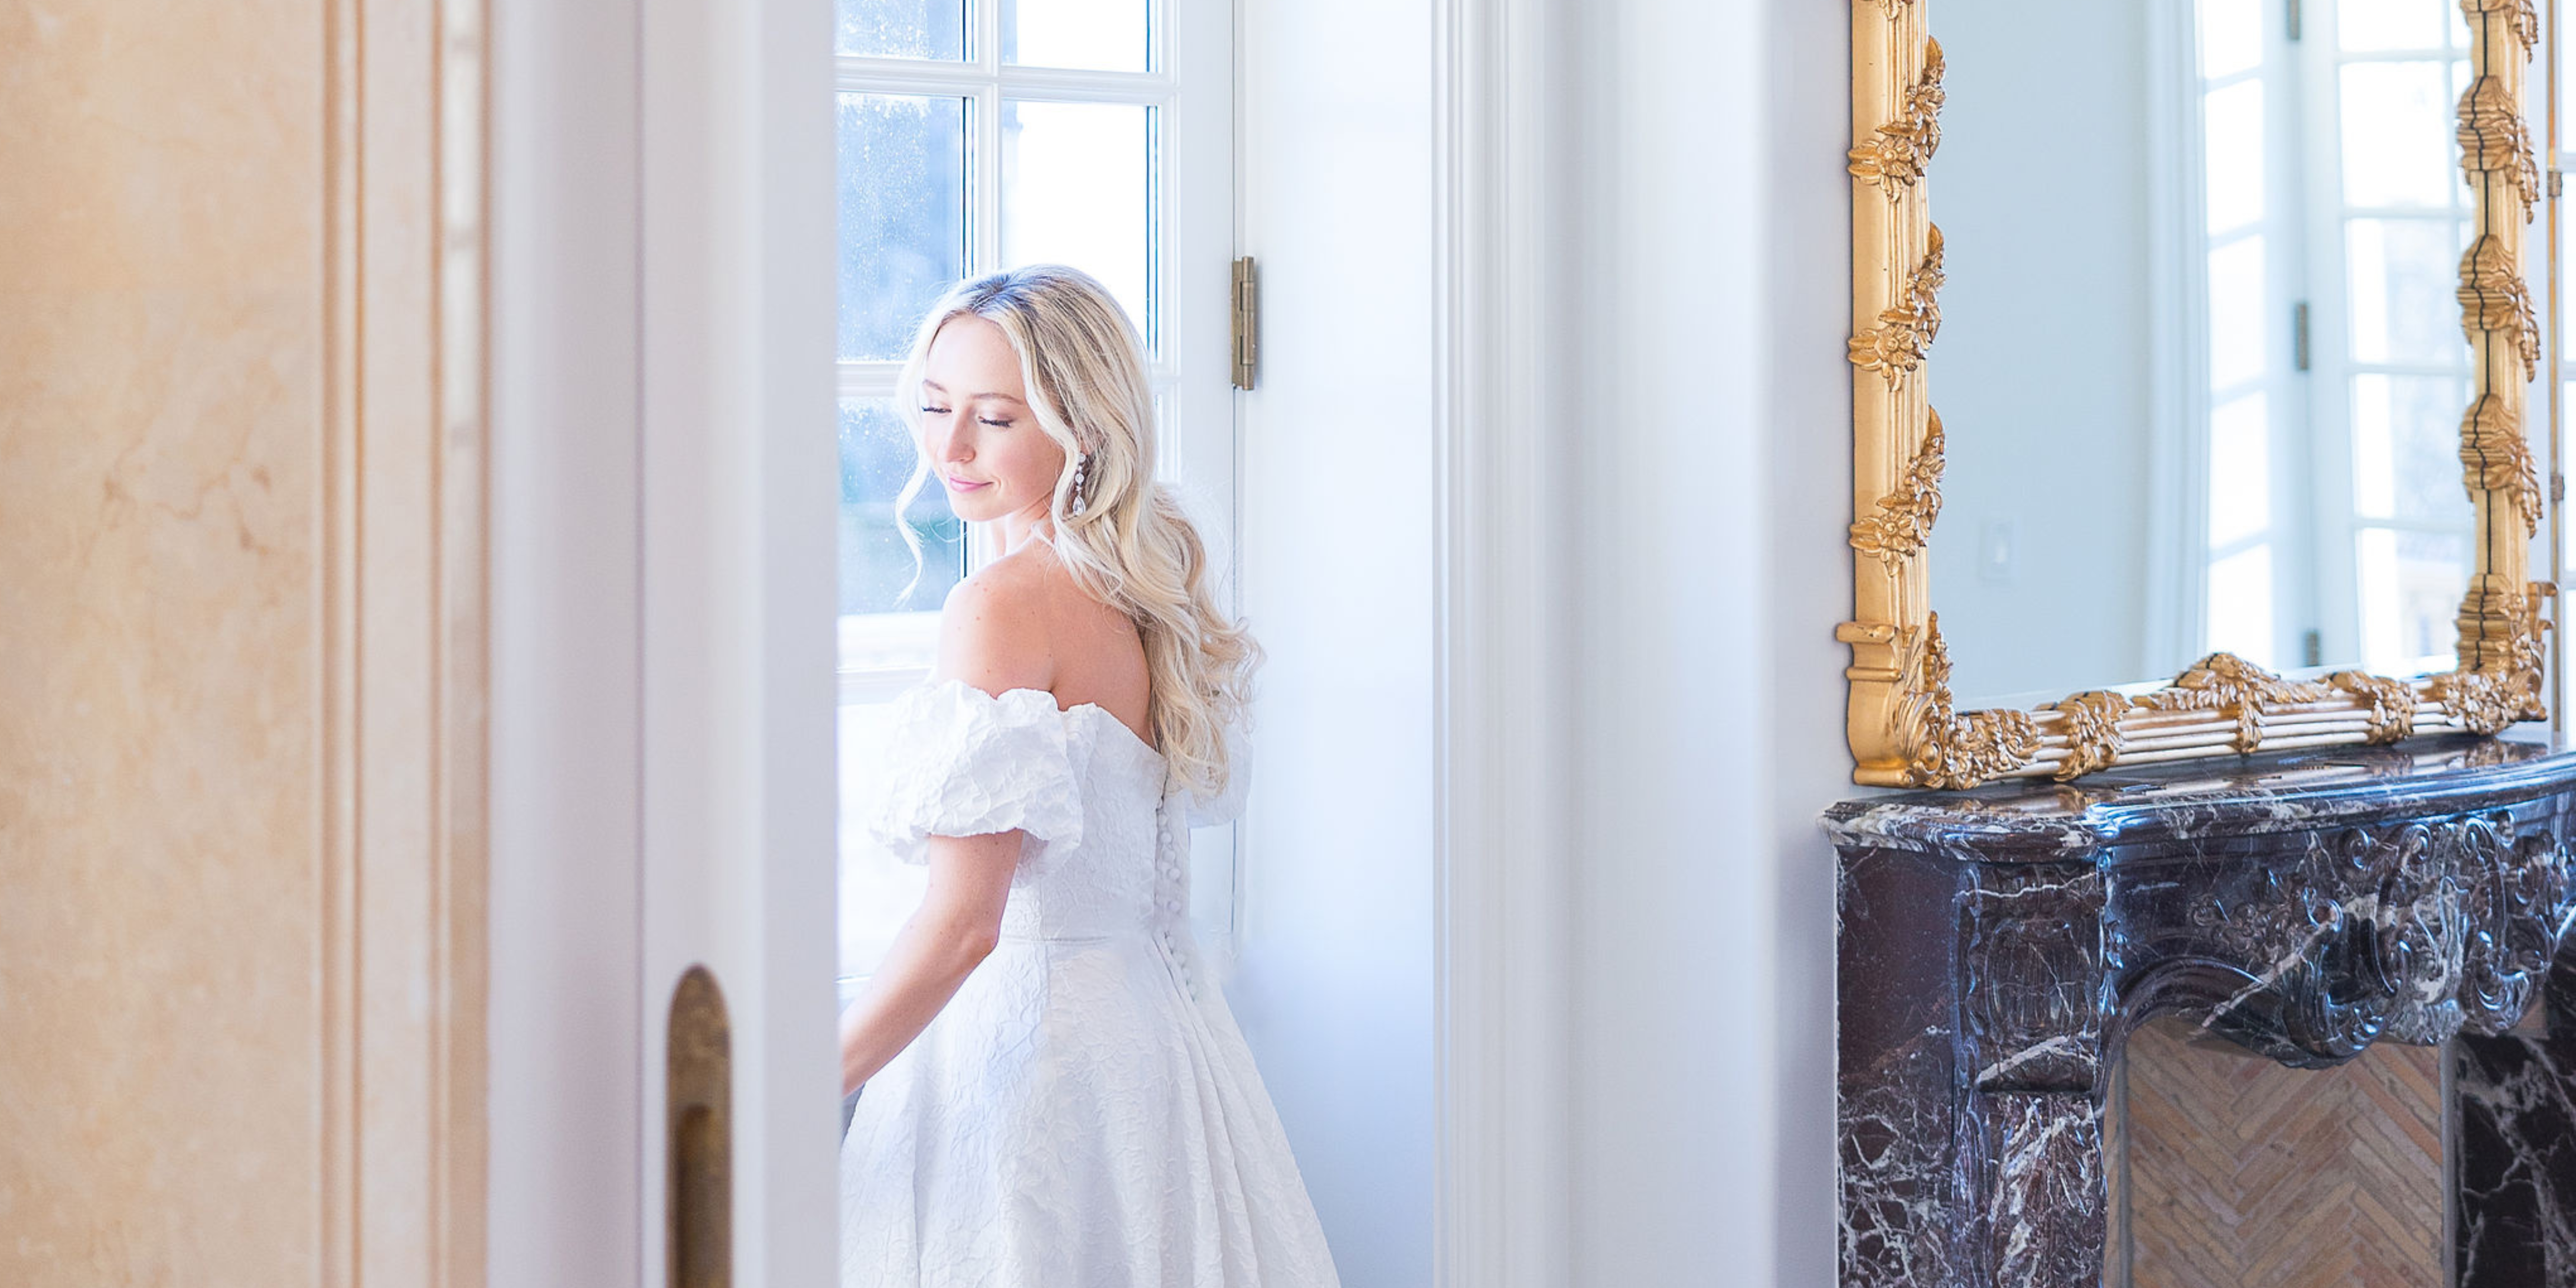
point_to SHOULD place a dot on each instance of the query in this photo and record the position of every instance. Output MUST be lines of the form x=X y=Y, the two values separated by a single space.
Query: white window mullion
x=895 y=77
x=868 y=379
x=984 y=48
x=858 y=72
x=984 y=184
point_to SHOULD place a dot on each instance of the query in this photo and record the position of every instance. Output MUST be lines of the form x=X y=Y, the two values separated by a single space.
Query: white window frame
x=2337 y=522
x=2314 y=521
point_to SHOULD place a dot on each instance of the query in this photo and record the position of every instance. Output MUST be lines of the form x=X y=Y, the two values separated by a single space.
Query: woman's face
x=976 y=427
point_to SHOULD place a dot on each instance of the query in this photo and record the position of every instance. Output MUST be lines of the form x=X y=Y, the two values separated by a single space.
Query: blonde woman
x=1055 y=1094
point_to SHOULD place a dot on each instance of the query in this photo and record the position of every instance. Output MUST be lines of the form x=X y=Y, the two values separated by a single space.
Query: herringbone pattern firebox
x=2241 y=1173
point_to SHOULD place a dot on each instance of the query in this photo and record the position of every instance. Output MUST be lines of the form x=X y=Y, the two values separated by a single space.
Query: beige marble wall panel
x=161 y=359
x=241 y=633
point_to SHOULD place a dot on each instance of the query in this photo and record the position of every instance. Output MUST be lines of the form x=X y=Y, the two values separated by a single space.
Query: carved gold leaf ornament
x=2500 y=677
x=2496 y=457
x=2494 y=298
x=2523 y=14
x=2092 y=729
x=2388 y=705
x=1906 y=328
x=1951 y=748
x=1894 y=157
x=2483 y=701
x=2500 y=626
x=2224 y=682
x=1902 y=523
x=2495 y=140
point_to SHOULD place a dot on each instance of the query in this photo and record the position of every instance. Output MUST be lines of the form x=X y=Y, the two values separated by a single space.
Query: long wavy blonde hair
x=1132 y=546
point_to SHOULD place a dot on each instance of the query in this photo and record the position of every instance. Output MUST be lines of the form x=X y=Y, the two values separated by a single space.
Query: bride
x=1054 y=1092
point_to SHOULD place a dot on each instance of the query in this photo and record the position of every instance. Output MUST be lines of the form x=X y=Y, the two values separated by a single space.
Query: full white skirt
x=1082 y=1115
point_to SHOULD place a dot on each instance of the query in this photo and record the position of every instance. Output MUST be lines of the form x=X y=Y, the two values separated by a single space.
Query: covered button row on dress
x=1168 y=857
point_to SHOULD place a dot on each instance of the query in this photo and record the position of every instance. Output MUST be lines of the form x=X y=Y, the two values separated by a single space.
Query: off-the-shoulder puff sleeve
x=962 y=762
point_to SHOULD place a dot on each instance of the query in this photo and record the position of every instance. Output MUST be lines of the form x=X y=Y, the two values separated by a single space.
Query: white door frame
x=662 y=704
x=663 y=507
x=1502 y=883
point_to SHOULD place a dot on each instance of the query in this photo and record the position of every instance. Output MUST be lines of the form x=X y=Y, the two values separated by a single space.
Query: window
x=977 y=135
x=2336 y=370
x=2402 y=217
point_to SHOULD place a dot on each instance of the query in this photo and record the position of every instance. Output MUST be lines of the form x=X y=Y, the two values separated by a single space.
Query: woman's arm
x=952 y=932
x=992 y=636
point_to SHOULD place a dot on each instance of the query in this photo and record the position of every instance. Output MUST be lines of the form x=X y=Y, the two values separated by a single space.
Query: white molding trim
x=1502 y=998
x=2178 y=418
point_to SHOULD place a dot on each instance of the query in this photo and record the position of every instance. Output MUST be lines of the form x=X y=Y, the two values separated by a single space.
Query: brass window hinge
x=1247 y=323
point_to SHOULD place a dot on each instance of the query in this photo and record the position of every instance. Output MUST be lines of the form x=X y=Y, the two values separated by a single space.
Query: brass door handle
x=698 y=1210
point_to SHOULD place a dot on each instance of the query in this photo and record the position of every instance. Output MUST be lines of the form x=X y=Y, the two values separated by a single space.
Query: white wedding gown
x=1084 y=1114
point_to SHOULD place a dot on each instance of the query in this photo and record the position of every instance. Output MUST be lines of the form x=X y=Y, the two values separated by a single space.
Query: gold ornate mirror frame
x=1903 y=729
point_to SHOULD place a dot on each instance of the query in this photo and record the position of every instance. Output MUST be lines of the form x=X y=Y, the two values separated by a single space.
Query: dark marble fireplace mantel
x=1998 y=946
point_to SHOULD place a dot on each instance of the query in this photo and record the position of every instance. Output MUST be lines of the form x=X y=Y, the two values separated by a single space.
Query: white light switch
x=1998 y=553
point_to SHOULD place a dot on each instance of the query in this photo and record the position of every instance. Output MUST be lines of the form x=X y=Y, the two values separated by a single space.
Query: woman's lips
x=962 y=485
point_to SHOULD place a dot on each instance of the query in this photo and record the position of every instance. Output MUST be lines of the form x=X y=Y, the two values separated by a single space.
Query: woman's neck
x=1020 y=528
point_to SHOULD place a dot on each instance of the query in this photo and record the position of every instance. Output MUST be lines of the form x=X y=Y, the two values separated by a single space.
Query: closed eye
x=997 y=424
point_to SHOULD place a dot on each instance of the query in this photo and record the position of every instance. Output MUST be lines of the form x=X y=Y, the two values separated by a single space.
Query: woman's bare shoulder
x=993 y=630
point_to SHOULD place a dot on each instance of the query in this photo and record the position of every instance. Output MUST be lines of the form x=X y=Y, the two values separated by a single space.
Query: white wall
x=1673 y=875
x=1714 y=444
x=1333 y=986
x=1694 y=245
x=1804 y=433
x=2042 y=372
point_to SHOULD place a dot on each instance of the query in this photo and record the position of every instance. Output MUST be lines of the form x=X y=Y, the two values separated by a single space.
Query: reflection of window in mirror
x=2200 y=358
x=2334 y=217
x=975 y=137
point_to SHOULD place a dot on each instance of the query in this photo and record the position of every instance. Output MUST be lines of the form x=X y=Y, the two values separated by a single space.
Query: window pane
x=2404 y=280
x=903 y=215
x=2232 y=121
x=1076 y=189
x=2397 y=121
x=2411 y=585
x=2231 y=36
x=2240 y=470
x=2390 y=24
x=900 y=28
x=2236 y=313
x=2566 y=76
x=2240 y=605
x=1100 y=35
x=2406 y=449
x=878 y=572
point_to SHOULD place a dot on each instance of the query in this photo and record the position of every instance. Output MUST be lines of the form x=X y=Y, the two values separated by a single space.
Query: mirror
x=2223 y=307
x=2201 y=343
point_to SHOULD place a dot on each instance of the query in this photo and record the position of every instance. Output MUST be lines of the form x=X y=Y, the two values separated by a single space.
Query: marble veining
x=1997 y=946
